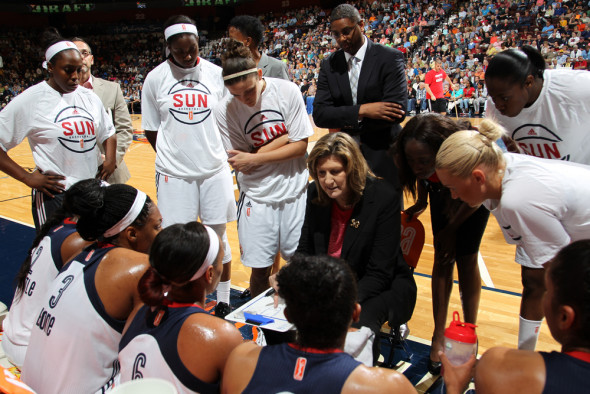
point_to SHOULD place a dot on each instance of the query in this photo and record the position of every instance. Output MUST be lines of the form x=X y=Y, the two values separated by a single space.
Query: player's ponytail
x=237 y=62
x=465 y=150
x=178 y=252
x=100 y=208
x=54 y=220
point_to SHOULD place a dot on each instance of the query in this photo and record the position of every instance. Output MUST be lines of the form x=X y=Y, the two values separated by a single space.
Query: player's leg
x=258 y=230
x=218 y=207
x=292 y=215
x=531 y=307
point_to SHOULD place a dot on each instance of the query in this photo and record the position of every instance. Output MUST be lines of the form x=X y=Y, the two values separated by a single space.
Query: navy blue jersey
x=287 y=368
x=148 y=351
x=565 y=374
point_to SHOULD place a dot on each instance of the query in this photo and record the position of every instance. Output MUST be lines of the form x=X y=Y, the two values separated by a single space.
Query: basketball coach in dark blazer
x=112 y=98
x=374 y=117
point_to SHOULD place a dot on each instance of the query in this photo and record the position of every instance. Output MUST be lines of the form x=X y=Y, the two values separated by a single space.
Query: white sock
x=528 y=333
x=223 y=291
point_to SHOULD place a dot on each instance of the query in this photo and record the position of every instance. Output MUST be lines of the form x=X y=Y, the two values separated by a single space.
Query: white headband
x=56 y=48
x=239 y=74
x=180 y=28
x=211 y=254
x=129 y=217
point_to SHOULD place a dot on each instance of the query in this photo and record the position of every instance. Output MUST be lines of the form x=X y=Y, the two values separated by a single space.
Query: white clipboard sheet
x=263 y=308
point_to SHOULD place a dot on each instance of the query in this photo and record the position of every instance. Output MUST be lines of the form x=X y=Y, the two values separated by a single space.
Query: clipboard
x=260 y=311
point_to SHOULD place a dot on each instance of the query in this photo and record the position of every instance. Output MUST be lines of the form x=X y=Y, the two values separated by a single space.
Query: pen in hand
x=270 y=292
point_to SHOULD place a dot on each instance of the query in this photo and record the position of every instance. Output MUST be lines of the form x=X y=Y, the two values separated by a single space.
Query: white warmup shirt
x=178 y=103
x=557 y=125
x=74 y=342
x=46 y=262
x=544 y=206
x=280 y=110
x=63 y=130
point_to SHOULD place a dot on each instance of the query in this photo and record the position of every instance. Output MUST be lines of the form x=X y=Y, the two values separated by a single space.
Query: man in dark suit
x=112 y=98
x=371 y=114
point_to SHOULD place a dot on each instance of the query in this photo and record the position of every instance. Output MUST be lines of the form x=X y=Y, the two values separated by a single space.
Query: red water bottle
x=460 y=341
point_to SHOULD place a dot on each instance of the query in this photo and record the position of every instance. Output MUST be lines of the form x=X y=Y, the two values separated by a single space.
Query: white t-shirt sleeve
x=534 y=225
x=298 y=124
x=231 y=133
x=15 y=122
x=150 y=111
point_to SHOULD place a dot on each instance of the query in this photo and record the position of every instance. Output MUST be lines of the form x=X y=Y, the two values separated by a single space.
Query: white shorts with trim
x=265 y=229
x=211 y=199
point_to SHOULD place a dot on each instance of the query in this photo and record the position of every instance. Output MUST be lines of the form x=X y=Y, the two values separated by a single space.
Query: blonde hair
x=465 y=150
x=342 y=146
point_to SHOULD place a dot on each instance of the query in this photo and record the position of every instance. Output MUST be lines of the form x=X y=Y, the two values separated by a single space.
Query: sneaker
x=246 y=294
x=404 y=331
x=434 y=367
x=222 y=309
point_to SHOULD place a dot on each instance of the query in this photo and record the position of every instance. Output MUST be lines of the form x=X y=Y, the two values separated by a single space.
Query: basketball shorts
x=183 y=200
x=265 y=229
x=44 y=206
x=439 y=105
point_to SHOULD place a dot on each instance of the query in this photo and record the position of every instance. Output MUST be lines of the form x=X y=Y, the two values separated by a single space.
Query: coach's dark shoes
x=222 y=310
x=434 y=367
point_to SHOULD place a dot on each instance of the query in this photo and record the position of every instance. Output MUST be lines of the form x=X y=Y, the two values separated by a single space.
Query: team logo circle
x=78 y=129
x=190 y=102
x=537 y=140
x=264 y=126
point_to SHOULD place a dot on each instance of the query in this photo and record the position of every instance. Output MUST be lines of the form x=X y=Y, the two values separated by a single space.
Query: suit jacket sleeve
x=282 y=72
x=388 y=84
x=306 y=244
x=329 y=107
x=123 y=125
x=384 y=245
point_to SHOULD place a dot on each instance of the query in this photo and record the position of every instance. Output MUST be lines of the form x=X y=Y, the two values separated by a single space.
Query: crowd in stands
x=463 y=34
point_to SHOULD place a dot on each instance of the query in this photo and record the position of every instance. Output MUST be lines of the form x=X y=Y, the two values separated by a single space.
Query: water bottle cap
x=461 y=332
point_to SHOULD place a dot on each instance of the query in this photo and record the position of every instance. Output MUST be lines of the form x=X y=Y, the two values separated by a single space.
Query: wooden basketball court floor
x=500 y=300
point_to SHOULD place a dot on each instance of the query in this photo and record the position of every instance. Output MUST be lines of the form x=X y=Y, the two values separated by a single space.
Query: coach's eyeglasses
x=346 y=32
x=85 y=53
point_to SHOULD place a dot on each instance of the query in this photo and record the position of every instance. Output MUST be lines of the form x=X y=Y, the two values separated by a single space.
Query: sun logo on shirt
x=78 y=129
x=538 y=140
x=264 y=126
x=190 y=102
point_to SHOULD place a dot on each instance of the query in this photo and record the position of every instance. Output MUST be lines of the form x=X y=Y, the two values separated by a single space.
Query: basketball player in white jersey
x=260 y=113
x=80 y=322
x=192 y=175
x=63 y=124
x=52 y=249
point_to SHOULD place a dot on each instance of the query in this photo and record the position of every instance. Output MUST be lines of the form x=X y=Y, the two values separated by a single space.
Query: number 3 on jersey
x=55 y=298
